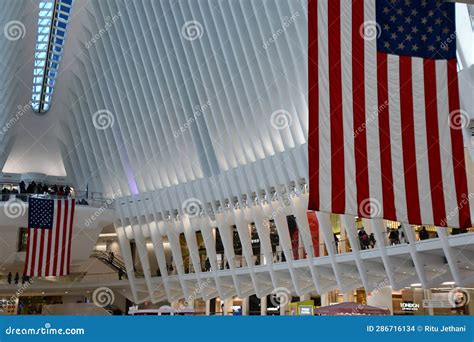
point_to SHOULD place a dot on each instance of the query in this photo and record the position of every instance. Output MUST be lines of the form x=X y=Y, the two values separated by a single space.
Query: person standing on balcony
x=17 y=278
x=393 y=236
x=22 y=187
x=423 y=234
x=372 y=240
x=9 y=278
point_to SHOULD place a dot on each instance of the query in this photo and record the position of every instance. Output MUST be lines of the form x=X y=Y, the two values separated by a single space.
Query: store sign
x=8 y=306
x=409 y=306
x=305 y=310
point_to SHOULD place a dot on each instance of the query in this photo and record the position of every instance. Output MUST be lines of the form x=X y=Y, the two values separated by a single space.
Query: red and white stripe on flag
x=385 y=138
x=48 y=251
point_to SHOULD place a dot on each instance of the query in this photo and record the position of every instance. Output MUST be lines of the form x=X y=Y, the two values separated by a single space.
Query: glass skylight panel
x=52 y=27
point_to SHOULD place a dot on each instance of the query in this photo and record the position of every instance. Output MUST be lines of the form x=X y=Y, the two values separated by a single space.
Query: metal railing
x=116 y=262
x=93 y=199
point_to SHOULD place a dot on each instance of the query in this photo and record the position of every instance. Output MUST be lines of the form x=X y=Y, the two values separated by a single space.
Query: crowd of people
x=366 y=240
x=39 y=189
x=16 y=280
x=34 y=188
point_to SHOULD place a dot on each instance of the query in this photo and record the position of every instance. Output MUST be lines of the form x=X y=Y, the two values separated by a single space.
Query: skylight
x=52 y=25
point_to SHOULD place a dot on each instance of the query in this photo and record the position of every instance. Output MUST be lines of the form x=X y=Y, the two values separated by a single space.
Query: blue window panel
x=50 y=40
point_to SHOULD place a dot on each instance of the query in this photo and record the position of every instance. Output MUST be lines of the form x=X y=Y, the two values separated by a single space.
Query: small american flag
x=48 y=251
x=385 y=138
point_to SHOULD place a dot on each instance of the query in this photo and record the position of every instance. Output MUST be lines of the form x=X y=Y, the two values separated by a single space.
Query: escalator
x=116 y=263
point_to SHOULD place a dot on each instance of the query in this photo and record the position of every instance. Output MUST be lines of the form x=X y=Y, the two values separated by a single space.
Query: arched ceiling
x=154 y=93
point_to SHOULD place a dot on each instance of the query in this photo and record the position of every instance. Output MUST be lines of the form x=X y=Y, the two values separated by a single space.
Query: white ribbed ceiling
x=154 y=93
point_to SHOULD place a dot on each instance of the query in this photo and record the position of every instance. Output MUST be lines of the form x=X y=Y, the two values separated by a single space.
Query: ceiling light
x=448 y=283
x=108 y=235
x=415 y=285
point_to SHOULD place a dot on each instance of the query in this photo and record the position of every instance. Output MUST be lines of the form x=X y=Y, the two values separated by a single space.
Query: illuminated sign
x=409 y=306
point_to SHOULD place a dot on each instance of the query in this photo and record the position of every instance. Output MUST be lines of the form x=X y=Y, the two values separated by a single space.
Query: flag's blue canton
x=40 y=213
x=418 y=28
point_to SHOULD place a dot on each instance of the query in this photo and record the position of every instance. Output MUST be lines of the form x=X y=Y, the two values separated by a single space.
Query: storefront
x=447 y=300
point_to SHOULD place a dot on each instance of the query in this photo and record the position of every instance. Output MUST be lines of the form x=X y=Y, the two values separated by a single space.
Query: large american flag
x=48 y=251
x=385 y=120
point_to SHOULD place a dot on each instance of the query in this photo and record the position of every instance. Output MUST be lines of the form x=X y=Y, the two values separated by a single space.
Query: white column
x=343 y=240
x=208 y=307
x=283 y=309
x=228 y=305
x=427 y=295
x=324 y=299
x=263 y=306
x=245 y=306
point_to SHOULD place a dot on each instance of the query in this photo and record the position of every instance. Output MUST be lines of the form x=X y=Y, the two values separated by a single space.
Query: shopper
x=423 y=234
x=336 y=242
x=393 y=236
x=363 y=238
x=401 y=234
x=372 y=240
x=17 y=278
x=9 y=278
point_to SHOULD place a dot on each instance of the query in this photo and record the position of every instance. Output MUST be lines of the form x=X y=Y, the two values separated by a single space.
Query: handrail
x=117 y=262
x=108 y=203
